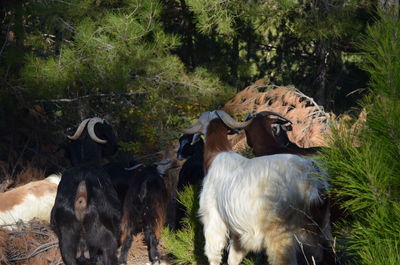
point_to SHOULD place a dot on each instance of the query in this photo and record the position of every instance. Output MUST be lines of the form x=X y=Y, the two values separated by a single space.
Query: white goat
x=32 y=200
x=260 y=203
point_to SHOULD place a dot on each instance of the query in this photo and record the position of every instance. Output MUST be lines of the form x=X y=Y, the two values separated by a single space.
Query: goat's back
x=32 y=200
x=100 y=192
x=250 y=194
x=146 y=200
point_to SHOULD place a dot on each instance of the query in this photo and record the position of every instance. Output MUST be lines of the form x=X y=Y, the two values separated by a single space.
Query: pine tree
x=363 y=164
x=110 y=59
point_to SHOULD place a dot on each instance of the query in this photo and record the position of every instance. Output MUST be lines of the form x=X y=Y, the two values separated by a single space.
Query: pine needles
x=187 y=244
x=365 y=175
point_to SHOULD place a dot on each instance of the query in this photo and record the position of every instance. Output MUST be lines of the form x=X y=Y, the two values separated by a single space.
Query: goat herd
x=275 y=202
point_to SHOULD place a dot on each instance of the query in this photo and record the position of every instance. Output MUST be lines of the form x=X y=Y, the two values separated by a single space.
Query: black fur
x=85 y=150
x=192 y=171
x=120 y=178
x=99 y=231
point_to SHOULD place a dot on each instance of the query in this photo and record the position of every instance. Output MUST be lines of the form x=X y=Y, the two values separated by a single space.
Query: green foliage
x=113 y=59
x=187 y=244
x=382 y=55
x=363 y=165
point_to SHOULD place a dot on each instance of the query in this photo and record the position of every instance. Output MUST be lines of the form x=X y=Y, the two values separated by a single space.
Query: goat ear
x=143 y=191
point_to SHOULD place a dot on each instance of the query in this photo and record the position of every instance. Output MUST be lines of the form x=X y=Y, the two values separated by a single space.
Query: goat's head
x=264 y=131
x=93 y=139
x=280 y=133
x=187 y=144
x=215 y=125
x=200 y=127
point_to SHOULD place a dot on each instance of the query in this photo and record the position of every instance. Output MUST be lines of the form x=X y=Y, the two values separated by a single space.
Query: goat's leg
x=109 y=249
x=236 y=253
x=215 y=233
x=125 y=246
x=109 y=256
x=281 y=249
x=152 y=242
x=68 y=246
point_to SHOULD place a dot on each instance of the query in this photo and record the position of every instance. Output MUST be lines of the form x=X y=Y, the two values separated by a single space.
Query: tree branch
x=58 y=100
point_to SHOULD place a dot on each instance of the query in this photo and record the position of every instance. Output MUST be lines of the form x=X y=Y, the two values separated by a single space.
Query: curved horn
x=79 y=131
x=133 y=167
x=168 y=161
x=230 y=122
x=92 y=134
x=276 y=129
x=267 y=112
x=194 y=129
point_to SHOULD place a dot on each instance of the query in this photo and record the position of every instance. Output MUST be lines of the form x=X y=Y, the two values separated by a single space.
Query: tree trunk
x=320 y=82
x=235 y=61
x=189 y=28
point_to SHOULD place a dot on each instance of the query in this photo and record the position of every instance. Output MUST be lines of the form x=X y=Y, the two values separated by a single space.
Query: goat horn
x=79 y=131
x=168 y=161
x=267 y=112
x=92 y=134
x=194 y=129
x=133 y=167
x=230 y=122
x=277 y=129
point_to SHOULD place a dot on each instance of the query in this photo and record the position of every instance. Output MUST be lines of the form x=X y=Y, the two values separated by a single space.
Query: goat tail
x=81 y=198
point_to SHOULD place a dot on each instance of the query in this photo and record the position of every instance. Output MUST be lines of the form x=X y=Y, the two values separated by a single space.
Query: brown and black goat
x=144 y=210
x=268 y=136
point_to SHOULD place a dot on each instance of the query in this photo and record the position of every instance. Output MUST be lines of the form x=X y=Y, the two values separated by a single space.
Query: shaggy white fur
x=260 y=203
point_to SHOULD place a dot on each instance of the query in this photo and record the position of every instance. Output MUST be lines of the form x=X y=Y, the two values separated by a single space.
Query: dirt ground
x=138 y=253
x=38 y=246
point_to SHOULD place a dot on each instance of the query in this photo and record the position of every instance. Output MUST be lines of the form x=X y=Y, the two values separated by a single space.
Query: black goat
x=93 y=140
x=191 y=147
x=120 y=174
x=144 y=210
x=86 y=216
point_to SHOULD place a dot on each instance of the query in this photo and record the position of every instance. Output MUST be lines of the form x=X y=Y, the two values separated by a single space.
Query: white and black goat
x=260 y=203
x=86 y=214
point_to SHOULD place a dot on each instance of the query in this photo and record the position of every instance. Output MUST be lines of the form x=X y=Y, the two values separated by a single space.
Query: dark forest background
x=148 y=66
